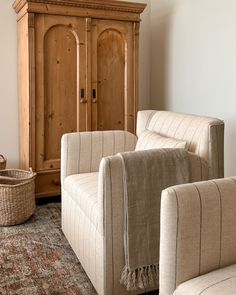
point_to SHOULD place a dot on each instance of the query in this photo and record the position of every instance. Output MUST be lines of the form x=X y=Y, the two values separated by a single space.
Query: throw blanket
x=146 y=174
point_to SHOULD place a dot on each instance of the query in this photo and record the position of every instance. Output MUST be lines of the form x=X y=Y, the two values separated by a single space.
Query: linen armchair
x=93 y=189
x=198 y=238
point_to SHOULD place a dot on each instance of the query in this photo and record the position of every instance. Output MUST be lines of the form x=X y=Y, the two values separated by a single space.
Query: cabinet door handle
x=94 y=96
x=82 y=96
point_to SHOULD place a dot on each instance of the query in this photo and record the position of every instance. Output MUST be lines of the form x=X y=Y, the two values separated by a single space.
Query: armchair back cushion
x=152 y=140
x=84 y=151
x=204 y=135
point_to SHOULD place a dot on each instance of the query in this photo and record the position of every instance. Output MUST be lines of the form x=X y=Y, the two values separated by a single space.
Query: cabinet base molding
x=47 y=184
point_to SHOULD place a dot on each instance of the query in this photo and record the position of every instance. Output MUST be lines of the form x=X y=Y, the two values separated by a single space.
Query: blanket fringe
x=140 y=278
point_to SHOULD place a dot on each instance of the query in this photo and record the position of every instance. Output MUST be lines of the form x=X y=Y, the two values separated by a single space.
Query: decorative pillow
x=152 y=140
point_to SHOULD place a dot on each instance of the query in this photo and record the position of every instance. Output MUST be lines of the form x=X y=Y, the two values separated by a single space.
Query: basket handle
x=33 y=174
x=1 y=156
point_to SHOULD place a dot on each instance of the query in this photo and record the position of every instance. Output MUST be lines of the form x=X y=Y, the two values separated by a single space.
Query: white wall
x=9 y=129
x=159 y=25
x=9 y=143
x=194 y=62
x=145 y=56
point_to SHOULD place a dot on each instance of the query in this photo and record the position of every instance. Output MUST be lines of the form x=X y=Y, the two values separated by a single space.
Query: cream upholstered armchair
x=93 y=190
x=198 y=238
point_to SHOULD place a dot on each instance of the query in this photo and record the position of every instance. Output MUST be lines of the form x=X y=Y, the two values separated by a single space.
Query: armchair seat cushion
x=221 y=281
x=83 y=189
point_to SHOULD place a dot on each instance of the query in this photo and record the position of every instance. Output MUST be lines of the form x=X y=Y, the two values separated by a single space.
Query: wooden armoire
x=78 y=71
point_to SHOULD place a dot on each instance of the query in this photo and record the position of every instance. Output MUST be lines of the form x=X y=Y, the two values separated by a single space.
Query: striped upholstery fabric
x=152 y=140
x=92 y=200
x=85 y=229
x=83 y=189
x=219 y=282
x=85 y=224
x=85 y=240
x=84 y=150
x=143 y=120
x=204 y=136
x=198 y=235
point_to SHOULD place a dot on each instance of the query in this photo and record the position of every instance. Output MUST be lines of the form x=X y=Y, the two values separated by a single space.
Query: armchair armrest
x=111 y=223
x=198 y=223
x=82 y=152
x=111 y=206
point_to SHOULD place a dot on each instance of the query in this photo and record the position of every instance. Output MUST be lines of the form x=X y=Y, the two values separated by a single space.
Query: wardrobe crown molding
x=113 y=5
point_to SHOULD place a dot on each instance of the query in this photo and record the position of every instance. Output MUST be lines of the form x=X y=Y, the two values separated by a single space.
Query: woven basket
x=17 y=200
x=3 y=162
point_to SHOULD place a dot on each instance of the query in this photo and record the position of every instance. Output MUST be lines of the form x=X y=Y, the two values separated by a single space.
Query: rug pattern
x=35 y=258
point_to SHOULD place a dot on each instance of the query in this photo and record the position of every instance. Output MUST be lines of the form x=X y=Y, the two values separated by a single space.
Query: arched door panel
x=60 y=62
x=112 y=76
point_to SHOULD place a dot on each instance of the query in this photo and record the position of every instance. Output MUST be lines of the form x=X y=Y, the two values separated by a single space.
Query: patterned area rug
x=35 y=258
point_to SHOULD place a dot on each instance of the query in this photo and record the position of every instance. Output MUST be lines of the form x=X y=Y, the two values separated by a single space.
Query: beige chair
x=92 y=184
x=198 y=238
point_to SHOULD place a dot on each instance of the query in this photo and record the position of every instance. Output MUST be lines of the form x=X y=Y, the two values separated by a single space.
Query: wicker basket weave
x=3 y=162
x=17 y=200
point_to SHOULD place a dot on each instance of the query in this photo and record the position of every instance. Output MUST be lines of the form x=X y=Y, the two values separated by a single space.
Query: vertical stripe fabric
x=93 y=208
x=82 y=152
x=204 y=135
x=198 y=234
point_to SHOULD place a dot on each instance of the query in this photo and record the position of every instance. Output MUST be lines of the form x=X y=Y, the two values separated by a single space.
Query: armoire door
x=60 y=84
x=113 y=101
x=78 y=71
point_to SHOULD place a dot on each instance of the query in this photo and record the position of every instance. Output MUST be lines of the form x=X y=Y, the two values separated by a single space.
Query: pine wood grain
x=78 y=71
